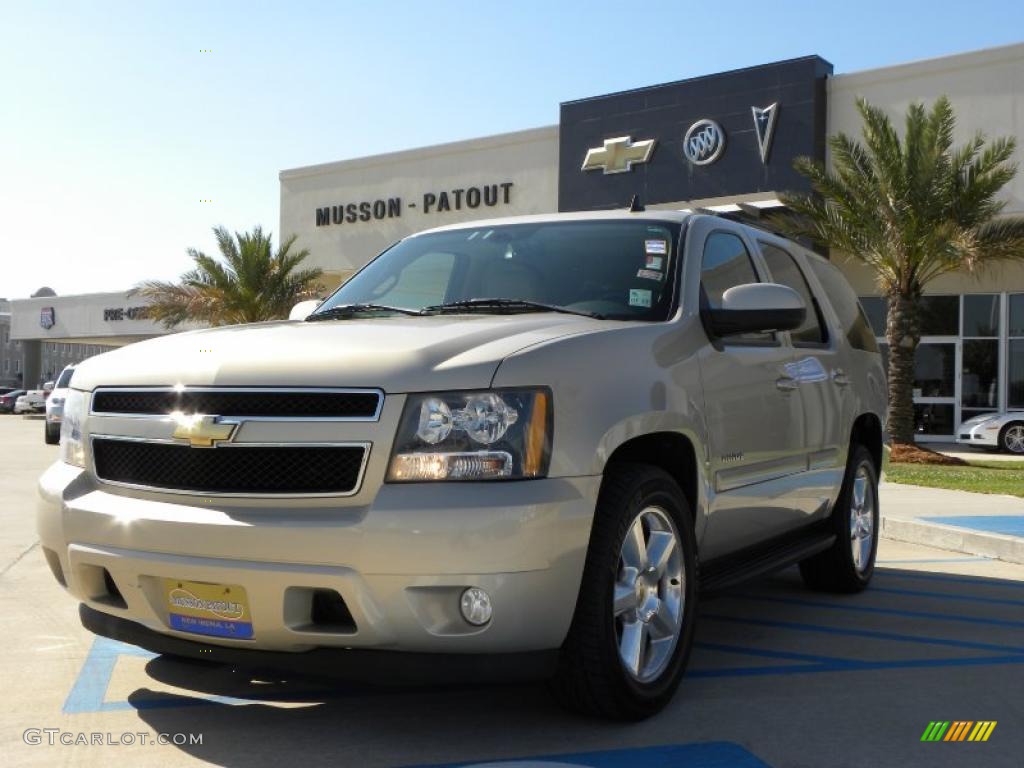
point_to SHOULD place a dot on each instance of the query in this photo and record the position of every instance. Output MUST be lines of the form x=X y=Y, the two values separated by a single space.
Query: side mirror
x=756 y=308
x=303 y=309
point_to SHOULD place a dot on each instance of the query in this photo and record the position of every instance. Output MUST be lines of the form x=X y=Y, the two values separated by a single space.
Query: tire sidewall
x=1002 y=438
x=659 y=492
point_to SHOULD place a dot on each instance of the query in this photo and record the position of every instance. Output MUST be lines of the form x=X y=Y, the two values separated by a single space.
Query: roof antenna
x=635 y=206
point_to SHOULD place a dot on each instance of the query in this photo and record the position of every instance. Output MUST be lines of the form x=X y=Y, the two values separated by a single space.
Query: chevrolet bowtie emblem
x=202 y=431
x=618 y=155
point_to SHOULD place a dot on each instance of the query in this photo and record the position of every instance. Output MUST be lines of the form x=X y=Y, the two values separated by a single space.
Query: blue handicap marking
x=89 y=693
x=1008 y=525
x=710 y=754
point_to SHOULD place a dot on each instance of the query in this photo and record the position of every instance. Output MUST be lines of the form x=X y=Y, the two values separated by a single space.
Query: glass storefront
x=970 y=360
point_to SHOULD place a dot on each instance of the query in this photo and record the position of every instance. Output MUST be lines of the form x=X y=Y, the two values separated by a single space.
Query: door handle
x=839 y=377
x=786 y=384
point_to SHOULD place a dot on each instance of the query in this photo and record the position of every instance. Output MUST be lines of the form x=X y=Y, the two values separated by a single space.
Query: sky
x=129 y=130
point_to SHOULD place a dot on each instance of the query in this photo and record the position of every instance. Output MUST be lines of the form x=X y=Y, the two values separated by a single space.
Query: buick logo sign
x=47 y=318
x=704 y=142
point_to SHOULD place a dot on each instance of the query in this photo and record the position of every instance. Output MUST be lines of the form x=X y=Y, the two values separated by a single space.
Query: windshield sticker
x=638 y=297
x=649 y=274
x=654 y=262
x=656 y=246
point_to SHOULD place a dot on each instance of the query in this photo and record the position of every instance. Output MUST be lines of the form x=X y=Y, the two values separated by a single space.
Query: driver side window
x=726 y=263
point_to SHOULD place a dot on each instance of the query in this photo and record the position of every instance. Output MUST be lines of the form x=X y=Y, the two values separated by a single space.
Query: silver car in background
x=994 y=432
x=55 y=406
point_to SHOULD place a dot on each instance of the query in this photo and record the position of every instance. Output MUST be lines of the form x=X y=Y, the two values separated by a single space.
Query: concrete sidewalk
x=982 y=524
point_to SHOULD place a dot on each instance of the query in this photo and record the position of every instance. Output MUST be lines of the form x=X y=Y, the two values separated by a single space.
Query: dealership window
x=957 y=363
x=1015 y=350
x=979 y=383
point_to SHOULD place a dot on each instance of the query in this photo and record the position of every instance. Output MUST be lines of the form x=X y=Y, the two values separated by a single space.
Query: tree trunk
x=903 y=332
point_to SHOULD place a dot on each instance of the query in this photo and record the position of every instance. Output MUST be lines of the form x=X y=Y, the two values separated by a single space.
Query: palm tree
x=248 y=284
x=912 y=209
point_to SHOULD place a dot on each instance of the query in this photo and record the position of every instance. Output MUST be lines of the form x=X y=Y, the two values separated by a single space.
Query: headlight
x=491 y=435
x=71 y=446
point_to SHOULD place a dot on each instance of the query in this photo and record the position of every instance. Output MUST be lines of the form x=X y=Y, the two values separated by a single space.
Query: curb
x=34 y=416
x=994 y=545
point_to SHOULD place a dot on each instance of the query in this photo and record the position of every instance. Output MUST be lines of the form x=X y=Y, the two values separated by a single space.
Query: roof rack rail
x=747 y=214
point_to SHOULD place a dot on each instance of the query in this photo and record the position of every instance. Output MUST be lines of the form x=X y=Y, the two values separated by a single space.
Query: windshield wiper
x=343 y=311
x=506 y=304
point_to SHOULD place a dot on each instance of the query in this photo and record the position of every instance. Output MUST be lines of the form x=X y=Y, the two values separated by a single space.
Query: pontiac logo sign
x=47 y=318
x=618 y=155
x=200 y=430
x=704 y=142
x=764 y=127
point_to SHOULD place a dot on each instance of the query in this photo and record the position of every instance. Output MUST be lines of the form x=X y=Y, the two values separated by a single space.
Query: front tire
x=632 y=631
x=52 y=436
x=1011 y=438
x=848 y=564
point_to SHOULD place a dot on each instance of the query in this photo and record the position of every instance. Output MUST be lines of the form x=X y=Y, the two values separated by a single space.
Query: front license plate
x=208 y=609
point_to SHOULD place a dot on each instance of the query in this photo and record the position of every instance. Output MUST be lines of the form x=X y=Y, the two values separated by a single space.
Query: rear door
x=823 y=382
x=754 y=416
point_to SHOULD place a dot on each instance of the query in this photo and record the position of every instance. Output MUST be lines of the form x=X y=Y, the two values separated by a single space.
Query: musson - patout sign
x=481 y=196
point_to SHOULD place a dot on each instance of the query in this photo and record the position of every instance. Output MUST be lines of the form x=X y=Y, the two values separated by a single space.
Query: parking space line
x=988 y=582
x=870 y=633
x=709 y=754
x=89 y=692
x=769 y=653
x=875 y=609
x=948 y=596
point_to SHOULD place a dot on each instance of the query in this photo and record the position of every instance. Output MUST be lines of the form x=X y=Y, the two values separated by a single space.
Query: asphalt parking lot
x=780 y=677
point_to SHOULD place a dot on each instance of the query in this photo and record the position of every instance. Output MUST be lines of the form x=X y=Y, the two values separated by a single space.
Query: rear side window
x=853 y=321
x=785 y=271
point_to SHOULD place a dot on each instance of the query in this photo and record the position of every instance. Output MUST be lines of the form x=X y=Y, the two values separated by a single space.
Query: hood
x=396 y=354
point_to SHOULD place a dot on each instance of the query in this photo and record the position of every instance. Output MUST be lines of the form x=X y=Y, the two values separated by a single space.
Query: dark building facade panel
x=666 y=112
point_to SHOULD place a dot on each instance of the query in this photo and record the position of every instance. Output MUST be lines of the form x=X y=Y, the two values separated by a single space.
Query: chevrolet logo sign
x=618 y=155
x=200 y=430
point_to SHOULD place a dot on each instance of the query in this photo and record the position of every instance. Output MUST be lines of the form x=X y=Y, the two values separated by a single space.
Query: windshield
x=616 y=269
x=65 y=378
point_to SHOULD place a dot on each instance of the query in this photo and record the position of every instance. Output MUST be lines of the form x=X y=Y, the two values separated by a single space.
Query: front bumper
x=400 y=563
x=978 y=435
x=349 y=664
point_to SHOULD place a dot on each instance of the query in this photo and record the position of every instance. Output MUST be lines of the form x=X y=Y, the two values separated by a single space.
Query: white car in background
x=33 y=401
x=994 y=432
x=55 y=406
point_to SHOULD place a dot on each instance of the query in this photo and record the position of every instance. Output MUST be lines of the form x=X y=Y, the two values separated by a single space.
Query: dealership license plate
x=221 y=610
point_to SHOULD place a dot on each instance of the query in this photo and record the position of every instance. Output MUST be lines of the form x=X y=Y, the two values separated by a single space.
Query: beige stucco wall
x=528 y=159
x=985 y=88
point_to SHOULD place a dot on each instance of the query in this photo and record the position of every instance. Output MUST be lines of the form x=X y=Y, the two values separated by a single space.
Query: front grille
x=965 y=437
x=328 y=404
x=238 y=469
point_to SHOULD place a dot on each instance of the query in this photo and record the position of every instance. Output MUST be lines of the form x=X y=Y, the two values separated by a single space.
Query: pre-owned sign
x=481 y=196
x=125 y=313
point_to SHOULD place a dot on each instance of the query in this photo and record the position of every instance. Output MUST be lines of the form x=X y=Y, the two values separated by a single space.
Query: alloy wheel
x=862 y=518
x=649 y=594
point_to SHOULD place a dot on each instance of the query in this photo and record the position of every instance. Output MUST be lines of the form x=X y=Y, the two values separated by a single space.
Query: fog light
x=476 y=606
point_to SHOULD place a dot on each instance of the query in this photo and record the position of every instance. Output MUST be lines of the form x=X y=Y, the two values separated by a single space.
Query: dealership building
x=723 y=141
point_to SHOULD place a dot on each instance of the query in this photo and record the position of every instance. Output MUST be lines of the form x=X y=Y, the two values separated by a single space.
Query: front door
x=752 y=407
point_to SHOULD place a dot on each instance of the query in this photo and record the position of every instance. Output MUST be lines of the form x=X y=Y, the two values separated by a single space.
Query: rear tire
x=52 y=433
x=848 y=564
x=632 y=631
